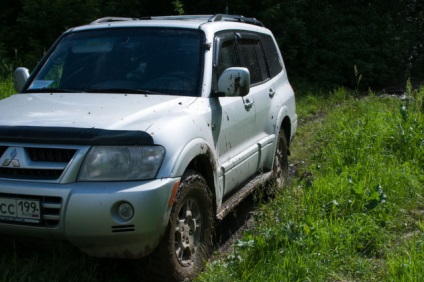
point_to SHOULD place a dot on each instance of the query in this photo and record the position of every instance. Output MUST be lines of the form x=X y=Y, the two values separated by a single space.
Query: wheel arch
x=286 y=126
x=199 y=156
x=283 y=123
x=202 y=164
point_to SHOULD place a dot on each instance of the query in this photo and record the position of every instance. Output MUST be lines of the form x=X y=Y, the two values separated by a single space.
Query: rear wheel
x=183 y=251
x=280 y=167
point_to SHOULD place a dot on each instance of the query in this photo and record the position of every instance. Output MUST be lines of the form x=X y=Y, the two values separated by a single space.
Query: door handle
x=271 y=93
x=248 y=104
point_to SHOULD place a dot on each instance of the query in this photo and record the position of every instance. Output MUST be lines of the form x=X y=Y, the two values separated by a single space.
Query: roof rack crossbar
x=112 y=19
x=235 y=18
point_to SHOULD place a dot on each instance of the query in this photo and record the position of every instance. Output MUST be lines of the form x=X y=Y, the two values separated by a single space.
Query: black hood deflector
x=74 y=136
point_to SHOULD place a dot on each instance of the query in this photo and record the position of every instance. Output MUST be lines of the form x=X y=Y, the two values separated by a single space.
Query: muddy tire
x=185 y=248
x=280 y=166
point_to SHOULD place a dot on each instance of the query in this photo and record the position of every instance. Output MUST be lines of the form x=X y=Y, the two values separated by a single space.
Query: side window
x=272 y=56
x=252 y=56
x=241 y=49
x=262 y=61
x=249 y=59
x=227 y=57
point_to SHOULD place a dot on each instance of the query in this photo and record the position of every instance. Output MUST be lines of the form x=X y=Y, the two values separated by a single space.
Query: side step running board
x=240 y=195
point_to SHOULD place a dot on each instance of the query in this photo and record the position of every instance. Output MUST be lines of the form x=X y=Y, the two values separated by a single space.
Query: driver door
x=236 y=146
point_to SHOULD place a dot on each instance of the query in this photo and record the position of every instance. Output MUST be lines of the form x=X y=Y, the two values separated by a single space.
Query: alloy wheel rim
x=188 y=230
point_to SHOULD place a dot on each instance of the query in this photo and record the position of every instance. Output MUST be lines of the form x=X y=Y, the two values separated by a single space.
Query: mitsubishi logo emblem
x=11 y=160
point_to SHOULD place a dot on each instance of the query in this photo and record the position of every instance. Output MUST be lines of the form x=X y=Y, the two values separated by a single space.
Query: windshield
x=127 y=60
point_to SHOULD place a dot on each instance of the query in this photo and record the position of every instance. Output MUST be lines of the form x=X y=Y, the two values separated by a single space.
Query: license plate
x=20 y=210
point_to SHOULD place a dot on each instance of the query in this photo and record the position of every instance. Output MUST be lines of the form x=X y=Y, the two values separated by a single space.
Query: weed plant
x=7 y=67
x=6 y=87
x=355 y=212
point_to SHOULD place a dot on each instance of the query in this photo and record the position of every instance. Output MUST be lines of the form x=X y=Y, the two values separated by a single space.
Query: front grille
x=50 y=214
x=30 y=174
x=50 y=210
x=50 y=154
x=34 y=163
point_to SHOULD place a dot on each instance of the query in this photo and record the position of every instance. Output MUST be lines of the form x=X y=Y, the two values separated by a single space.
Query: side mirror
x=234 y=82
x=20 y=77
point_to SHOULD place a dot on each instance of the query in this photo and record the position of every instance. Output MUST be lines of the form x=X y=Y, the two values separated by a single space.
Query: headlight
x=120 y=163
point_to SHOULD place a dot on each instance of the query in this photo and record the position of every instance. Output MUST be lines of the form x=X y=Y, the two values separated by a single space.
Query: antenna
x=227 y=12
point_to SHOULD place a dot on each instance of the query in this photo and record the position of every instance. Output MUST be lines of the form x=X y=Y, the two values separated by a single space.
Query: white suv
x=132 y=136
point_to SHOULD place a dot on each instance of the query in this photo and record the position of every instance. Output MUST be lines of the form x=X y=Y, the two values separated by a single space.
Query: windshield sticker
x=40 y=84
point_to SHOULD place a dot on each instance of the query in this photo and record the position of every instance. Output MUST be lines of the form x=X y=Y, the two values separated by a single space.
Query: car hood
x=88 y=110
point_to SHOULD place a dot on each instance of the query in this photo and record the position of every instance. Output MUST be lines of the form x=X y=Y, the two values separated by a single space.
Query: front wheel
x=183 y=251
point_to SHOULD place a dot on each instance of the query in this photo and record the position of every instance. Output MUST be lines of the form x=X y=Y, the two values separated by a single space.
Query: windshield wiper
x=119 y=90
x=52 y=90
x=91 y=90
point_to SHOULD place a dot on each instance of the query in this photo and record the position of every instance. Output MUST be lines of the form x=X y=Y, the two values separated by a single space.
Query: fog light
x=125 y=211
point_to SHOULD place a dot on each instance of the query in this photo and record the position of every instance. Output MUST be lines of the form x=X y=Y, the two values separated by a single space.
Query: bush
x=6 y=87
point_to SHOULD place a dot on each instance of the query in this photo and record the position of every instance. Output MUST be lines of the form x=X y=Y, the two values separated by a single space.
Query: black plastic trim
x=73 y=136
x=235 y=18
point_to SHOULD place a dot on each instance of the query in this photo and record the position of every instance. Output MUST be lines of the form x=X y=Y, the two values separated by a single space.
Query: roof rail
x=209 y=18
x=112 y=19
x=234 y=18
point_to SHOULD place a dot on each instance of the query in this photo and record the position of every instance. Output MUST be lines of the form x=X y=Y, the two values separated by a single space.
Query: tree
x=321 y=40
x=413 y=36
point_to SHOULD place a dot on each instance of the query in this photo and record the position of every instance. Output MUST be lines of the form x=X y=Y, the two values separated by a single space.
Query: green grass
x=33 y=260
x=6 y=87
x=355 y=212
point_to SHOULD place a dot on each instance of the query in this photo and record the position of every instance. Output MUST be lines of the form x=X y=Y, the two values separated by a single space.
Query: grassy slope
x=355 y=212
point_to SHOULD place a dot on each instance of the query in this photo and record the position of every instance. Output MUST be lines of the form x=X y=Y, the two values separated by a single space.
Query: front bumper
x=86 y=214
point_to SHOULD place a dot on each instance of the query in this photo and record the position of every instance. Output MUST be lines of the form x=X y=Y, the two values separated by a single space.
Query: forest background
x=325 y=43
